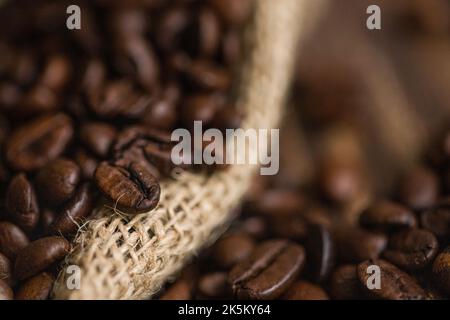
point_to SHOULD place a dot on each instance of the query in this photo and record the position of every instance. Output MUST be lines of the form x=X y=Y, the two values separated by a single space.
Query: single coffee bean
x=320 y=249
x=132 y=189
x=411 y=249
x=162 y=112
x=171 y=25
x=268 y=271
x=12 y=239
x=33 y=145
x=437 y=220
x=39 y=255
x=357 y=244
x=255 y=227
x=6 y=270
x=203 y=75
x=6 y=292
x=35 y=288
x=98 y=137
x=345 y=285
x=180 y=290
x=56 y=73
x=232 y=47
x=207 y=33
x=395 y=284
x=419 y=188
x=441 y=270
x=87 y=163
x=38 y=100
x=213 y=285
x=75 y=211
x=231 y=250
x=303 y=290
x=234 y=12
x=128 y=21
x=21 y=203
x=47 y=218
x=340 y=182
x=386 y=215
x=200 y=107
x=56 y=182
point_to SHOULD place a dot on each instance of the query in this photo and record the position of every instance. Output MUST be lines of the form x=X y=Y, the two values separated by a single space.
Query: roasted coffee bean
x=357 y=244
x=386 y=215
x=98 y=137
x=395 y=284
x=132 y=189
x=320 y=249
x=279 y=202
x=87 y=163
x=201 y=107
x=345 y=285
x=232 y=47
x=6 y=292
x=12 y=239
x=234 y=12
x=172 y=24
x=255 y=227
x=56 y=73
x=441 y=270
x=207 y=32
x=6 y=270
x=10 y=95
x=162 y=112
x=303 y=290
x=411 y=249
x=35 y=288
x=39 y=255
x=128 y=21
x=213 y=285
x=75 y=211
x=56 y=182
x=227 y=118
x=47 y=218
x=268 y=271
x=437 y=220
x=419 y=188
x=233 y=249
x=38 y=100
x=204 y=75
x=33 y=145
x=180 y=290
x=21 y=203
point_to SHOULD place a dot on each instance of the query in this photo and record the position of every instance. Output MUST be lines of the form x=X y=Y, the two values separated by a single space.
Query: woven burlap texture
x=131 y=257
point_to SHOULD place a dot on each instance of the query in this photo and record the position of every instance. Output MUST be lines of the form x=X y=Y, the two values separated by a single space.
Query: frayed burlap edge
x=131 y=257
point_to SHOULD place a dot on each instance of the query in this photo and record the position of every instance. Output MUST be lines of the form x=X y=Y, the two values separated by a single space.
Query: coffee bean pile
x=291 y=243
x=88 y=113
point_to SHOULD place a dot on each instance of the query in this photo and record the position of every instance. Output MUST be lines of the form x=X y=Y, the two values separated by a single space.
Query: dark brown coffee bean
x=94 y=76
x=419 y=188
x=279 y=201
x=303 y=290
x=36 y=288
x=232 y=249
x=33 y=145
x=395 y=284
x=208 y=32
x=232 y=47
x=227 y=118
x=75 y=211
x=255 y=227
x=12 y=239
x=10 y=94
x=201 y=107
x=437 y=220
x=47 y=218
x=411 y=249
x=6 y=292
x=87 y=163
x=206 y=76
x=268 y=271
x=98 y=137
x=441 y=270
x=162 y=112
x=357 y=244
x=213 y=285
x=180 y=290
x=320 y=249
x=39 y=255
x=132 y=189
x=56 y=182
x=234 y=12
x=6 y=270
x=386 y=215
x=56 y=73
x=128 y=21
x=171 y=25
x=139 y=135
x=21 y=203
x=38 y=100
x=345 y=285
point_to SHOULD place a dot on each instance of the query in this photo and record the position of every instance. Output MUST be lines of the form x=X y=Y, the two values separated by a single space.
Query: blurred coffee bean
x=232 y=47
x=441 y=270
x=303 y=290
x=12 y=239
x=75 y=211
x=46 y=219
x=395 y=284
x=98 y=137
x=233 y=249
x=180 y=290
x=437 y=220
x=10 y=94
x=132 y=189
x=419 y=188
x=87 y=163
x=234 y=12
x=357 y=244
x=279 y=201
x=38 y=100
x=171 y=26
x=345 y=285
x=202 y=107
x=39 y=255
x=268 y=271
x=206 y=32
x=255 y=227
x=128 y=21
x=35 y=288
x=56 y=182
x=6 y=270
x=339 y=182
x=227 y=118
x=320 y=250
x=204 y=75
x=33 y=145
x=411 y=249
x=385 y=215
x=213 y=285
x=6 y=292
x=21 y=203
x=56 y=73
x=162 y=112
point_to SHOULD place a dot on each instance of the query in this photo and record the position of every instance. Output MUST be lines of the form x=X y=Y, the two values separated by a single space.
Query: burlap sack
x=131 y=257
